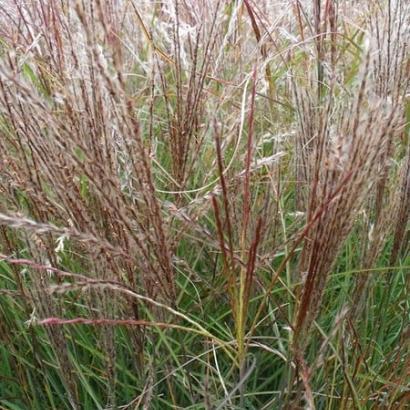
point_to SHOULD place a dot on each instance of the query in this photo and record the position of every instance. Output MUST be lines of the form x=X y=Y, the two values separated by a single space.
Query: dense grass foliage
x=204 y=204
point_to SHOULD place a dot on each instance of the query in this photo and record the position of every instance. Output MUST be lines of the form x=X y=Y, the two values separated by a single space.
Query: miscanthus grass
x=204 y=204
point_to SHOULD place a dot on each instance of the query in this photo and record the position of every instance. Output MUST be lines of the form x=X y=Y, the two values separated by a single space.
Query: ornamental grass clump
x=204 y=204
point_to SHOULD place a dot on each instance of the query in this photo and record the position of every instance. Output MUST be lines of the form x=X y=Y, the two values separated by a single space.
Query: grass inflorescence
x=204 y=204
